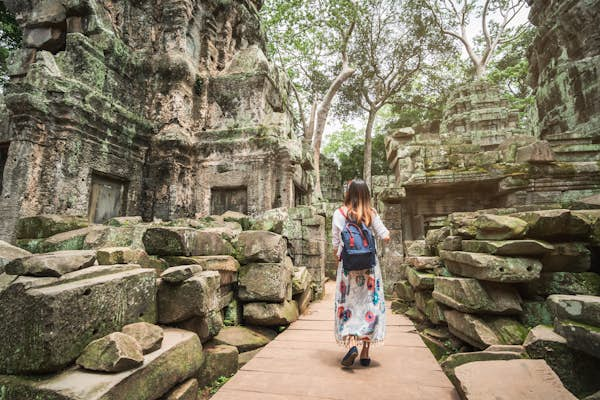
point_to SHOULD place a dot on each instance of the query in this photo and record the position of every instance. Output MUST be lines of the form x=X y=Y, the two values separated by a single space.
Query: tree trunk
x=480 y=70
x=368 y=146
x=321 y=120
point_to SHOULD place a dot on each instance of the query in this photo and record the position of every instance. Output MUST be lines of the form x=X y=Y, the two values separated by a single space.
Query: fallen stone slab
x=227 y=266
x=270 y=314
x=419 y=280
x=180 y=273
x=568 y=257
x=51 y=320
x=554 y=224
x=585 y=309
x=456 y=360
x=176 y=241
x=206 y=326
x=523 y=248
x=43 y=226
x=121 y=255
x=570 y=283
x=482 y=332
x=246 y=356
x=177 y=360
x=529 y=379
x=499 y=227
x=116 y=352
x=535 y=312
x=149 y=336
x=433 y=237
x=451 y=243
x=300 y=280
x=266 y=281
x=261 y=246
x=70 y=240
x=188 y=390
x=244 y=338
x=8 y=253
x=424 y=263
x=576 y=370
x=580 y=336
x=218 y=360
x=491 y=268
x=196 y=296
x=52 y=264
x=404 y=290
x=432 y=309
x=124 y=221
x=416 y=248
x=479 y=297
x=303 y=300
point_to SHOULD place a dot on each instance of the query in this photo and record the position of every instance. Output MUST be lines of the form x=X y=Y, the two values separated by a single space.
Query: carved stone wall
x=168 y=99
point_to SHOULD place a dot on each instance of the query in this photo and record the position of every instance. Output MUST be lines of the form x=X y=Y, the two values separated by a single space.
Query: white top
x=338 y=222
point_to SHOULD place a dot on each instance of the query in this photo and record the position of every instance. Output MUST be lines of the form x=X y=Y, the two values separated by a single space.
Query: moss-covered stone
x=43 y=226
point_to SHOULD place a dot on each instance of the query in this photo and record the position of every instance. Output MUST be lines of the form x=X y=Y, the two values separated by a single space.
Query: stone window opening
x=232 y=198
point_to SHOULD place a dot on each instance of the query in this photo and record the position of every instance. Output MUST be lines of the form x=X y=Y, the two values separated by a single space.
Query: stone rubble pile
x=86 y=314
x=501 y=278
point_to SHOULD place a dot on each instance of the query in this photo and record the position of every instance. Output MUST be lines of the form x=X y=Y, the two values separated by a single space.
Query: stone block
x=482 y=332
x=244 y=338
x=265 y=281
x=176 y=241
x=436 y=236
x=491 y=268
x=524 y=247
x=219 y=360
x=149 y=336
x=535 y=153
x=246 y=356
x=271 y=220
x=584 y=309
x=19 y=62
x=177 y=360
x=404 y=290
x=499 y=227
x=300 y=280
x=584 y=283
x=180 y=273
x=451 y=243
x=121 y=255
x=529 y=379
x=428 y=306
x=553 y=224
x=454 y=361
x=116 y=352
x=196 y=296
x=303 y=300
x=477 y=297
x=270 y=314
x=70 y=240
x=188 y=390
x=51 y=320
x=567 y=257
x=419 y=280
x=9 y=253
x=124 y=221
x=535 y=313
x=43 y=226
x=423 y=263
x=206 y=326
x=261 y=246
x=416 y=248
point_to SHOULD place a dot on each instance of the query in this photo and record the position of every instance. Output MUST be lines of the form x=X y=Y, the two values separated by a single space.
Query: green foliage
x=352 y=163
x=342 y=141
x=10 y=38
x=216 y=385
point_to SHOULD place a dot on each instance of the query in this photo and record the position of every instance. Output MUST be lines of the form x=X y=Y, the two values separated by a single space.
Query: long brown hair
x=358 y=202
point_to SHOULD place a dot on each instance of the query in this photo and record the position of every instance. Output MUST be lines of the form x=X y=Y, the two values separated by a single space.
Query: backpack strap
x=342 y=212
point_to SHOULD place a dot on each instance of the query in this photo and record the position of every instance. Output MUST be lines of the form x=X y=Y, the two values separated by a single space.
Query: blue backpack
x=359 y=246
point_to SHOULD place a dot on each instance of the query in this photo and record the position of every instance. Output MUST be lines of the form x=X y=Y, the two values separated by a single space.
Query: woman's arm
x=380 y=229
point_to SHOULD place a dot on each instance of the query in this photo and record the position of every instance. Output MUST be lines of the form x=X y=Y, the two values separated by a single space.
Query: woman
x=359 y=302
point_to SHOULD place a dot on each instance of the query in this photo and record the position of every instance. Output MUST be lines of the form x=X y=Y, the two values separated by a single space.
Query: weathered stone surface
x=121 y=255
x=524 y=247
x=180 y=273
x=499 y=227
x=491 y=268
x=124 y=221
x=422 y=263
x=51 y=320
x=270 y=314
x=178 y=359
x=428 y=306
x=206 y=326
x=456 y=360
x=271 y=220
x=52 y=264
x=244 y=338
x=580 y=336
x=451 y=243
x=246 y=356
x=149 y=336
x=303 y=300
x=567 y=257
x=261 y=246
x=194 y=297
x=188 y=390
x=535 y=153
x=219 y=360
x=167 y=241
x=265 y=281
x=300 y=280
x=419 y=280
x=436 y=236
x=585 y=309
x=70 y=240
x=416 y=248
x=482 y=332
x=9 y=252
x=584 y=283
x=535 y=313
x=529 y=379
x=404 y=290
x=209 y=263
x=552 y=224
x=112 y=353
x=43 y=226
x=576 y=370
x=473 y=296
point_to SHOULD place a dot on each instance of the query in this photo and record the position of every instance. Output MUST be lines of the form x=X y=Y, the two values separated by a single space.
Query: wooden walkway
x=303 y=363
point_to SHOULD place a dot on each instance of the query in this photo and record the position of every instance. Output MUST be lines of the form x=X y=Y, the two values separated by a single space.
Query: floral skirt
x=359 y=306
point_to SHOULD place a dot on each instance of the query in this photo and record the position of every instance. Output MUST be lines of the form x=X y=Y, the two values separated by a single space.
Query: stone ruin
x=151 y=175
x=164 y=109
x=497 y=254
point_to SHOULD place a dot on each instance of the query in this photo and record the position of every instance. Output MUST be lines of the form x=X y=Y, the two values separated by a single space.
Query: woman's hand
x=386 y=240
